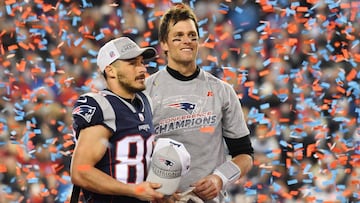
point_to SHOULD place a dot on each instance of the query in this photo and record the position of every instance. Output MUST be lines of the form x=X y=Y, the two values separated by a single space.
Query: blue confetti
x=37 y=131
x=250 y=191
x=223 y=7
x=162 y=67
x=93 y=60
x=324 y=54
x=307 y=168
x=292 y=182
x=341 y=119
x=214 y=18
x=307 y=181
x=355 y=43
x=298 y=146
x=75 y=20
x=99 y=36
x=330 y=47
x=152 y=64
x=32 y=180
x=238 y=10
x=290 y=12
x=119 y=12
x=139 y=11
x=155 y=42
x=237 y=36
x=19 y=118
x=265 y=106
x=283 y=143
x=333 y=5
x=78 y=41
x=266 y=62
x=297 y=90
x=276 y=187
x=86 y=4
x=261 y=28
x=202 y=33
x=327 y=182
x=8 y=10
x=176 y=1
x=203 y=22
x=295 y=4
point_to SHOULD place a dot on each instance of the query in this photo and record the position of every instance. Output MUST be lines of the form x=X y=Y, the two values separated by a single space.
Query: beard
x=129 y=86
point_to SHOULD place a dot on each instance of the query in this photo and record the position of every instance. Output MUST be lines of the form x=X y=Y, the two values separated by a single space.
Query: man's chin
x=140 y=88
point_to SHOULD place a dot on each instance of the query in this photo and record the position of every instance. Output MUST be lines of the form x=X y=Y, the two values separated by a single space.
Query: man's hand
x=208 y=187
x=168 y=199
x=146 y=191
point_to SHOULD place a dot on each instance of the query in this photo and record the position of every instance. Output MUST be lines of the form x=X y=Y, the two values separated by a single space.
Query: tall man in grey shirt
x=198 y=109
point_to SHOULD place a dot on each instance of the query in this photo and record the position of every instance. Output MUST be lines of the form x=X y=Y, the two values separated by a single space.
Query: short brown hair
x=178 y=12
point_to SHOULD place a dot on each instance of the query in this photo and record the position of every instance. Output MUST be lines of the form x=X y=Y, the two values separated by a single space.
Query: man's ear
x=164 y=47
x=110 y=72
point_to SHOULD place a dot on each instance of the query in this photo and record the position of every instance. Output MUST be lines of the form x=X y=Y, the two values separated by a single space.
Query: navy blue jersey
x=129 y=149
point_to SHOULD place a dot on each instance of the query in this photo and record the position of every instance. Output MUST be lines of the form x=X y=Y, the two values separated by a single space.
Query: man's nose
x=186 y=39
x=142 y=66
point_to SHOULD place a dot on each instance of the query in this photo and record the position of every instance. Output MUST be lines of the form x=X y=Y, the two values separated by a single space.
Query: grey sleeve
x=150 y=101
x=234 y=124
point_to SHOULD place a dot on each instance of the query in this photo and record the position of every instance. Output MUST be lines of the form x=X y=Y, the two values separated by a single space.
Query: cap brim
x=149 y=53
x=168 y=186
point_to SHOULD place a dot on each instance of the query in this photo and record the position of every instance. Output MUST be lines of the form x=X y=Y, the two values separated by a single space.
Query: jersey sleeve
x=234 y=124
x=86 y=112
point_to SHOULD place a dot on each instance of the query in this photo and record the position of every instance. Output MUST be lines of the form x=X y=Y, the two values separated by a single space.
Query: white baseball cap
x=122 y=48
x=170 y=160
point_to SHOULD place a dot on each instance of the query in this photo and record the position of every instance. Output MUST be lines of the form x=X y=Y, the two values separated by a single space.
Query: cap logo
x=168 y=162
x=127 y=47
x=165 y=169
x=112 y=54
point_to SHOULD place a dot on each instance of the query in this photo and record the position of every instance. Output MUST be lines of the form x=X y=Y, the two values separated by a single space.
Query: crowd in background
x=294 y=64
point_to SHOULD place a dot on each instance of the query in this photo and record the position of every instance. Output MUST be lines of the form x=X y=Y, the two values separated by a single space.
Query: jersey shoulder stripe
x=107 y=109
x=93 y=109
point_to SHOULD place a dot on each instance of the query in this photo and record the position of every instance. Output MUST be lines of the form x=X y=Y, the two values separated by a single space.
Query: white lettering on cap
x=127 y=47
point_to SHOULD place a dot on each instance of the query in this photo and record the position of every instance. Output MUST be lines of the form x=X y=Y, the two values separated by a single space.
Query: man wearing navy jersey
x=199 y=110
x=114 y=129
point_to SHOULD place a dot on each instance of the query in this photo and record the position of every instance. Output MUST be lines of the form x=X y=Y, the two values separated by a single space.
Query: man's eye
x=193 y=37
x=176 y=39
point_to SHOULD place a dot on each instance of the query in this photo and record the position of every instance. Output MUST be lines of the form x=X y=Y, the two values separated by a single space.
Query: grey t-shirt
x=198 y=113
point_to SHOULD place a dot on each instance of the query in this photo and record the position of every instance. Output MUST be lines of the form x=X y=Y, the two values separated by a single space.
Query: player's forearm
x=244 y=162
x=96 y=181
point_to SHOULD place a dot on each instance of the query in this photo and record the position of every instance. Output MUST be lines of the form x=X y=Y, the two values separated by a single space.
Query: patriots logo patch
x=85 y=111
x=167 y=162
x=186 y=106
